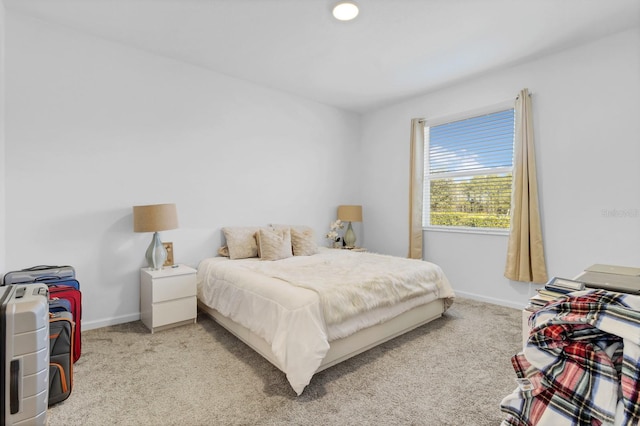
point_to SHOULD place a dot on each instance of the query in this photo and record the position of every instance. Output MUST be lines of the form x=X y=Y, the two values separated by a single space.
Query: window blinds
x=468 y=168
x=478 y=143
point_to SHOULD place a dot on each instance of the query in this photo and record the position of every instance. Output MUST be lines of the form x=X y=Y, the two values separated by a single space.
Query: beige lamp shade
x=155 y=217
x=350 y=213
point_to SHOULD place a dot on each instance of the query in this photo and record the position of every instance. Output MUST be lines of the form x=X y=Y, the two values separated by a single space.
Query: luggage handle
x=47 y=277
x=42 y=267
x=14 y=382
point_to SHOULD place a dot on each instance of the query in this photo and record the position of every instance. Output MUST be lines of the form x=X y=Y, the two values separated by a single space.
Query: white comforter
x=257 y=295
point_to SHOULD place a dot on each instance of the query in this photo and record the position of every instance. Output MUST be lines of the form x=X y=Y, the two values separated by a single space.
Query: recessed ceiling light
x=345 y=11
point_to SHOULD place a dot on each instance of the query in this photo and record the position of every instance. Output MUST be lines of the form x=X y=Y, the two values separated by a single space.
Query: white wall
x=95 y=127
x=586 y=104
x=2 y=142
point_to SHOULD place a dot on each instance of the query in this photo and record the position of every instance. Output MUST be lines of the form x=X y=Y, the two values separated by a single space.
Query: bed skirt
x=344 y=348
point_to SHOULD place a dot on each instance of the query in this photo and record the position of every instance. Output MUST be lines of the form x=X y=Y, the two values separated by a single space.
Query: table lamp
x=155 y=218
x=350 y=214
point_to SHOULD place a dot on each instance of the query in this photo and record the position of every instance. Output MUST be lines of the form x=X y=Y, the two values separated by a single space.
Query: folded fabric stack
x=581 y=363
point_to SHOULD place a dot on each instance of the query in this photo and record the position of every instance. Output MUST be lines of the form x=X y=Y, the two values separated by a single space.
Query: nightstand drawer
x=176 y=287
x=174 y=311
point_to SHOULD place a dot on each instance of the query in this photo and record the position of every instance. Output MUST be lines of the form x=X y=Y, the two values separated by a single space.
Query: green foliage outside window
x=470 y=220
x=478 y=202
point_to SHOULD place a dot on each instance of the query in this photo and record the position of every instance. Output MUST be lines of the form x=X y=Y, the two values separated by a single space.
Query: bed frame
x=347 y=347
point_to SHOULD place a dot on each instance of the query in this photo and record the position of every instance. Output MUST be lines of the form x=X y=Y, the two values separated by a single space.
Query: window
x=468 y=172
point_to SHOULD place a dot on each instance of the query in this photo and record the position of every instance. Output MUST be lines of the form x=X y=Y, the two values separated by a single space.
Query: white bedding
x=248 y=292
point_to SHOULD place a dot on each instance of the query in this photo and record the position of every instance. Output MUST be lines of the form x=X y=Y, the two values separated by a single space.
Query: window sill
x=464 y=230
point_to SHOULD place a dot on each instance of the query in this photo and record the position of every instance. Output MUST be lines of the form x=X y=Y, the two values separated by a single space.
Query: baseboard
x=492 y=300
x=90 y=325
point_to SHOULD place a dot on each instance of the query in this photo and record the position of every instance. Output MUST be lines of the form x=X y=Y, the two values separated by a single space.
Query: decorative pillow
x=241 y=241
x=303 y=239
x=303 y=242
x=223 y=251
x=274 y=245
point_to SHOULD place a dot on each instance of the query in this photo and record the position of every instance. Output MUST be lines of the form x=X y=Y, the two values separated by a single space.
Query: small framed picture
x=169 y=248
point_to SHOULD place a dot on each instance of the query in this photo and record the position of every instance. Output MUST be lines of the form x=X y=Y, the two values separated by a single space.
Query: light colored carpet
x=453 y=371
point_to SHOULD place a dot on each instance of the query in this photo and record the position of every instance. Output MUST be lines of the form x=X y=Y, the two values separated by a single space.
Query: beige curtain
x=525 y=253
x=415 y=188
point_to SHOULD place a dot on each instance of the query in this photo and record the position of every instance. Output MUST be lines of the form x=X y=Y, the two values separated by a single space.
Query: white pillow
x=274 y=245
x=303 y=239
x=303 y=242
x=241 y=241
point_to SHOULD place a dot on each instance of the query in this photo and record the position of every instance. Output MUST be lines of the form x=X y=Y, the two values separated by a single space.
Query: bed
x=305 y=313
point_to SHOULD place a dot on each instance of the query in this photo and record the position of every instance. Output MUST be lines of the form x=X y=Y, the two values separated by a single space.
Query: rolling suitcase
x=40 y=273
x=61 y=338
x=62 y=284
x=24 y=354
x=74 y=297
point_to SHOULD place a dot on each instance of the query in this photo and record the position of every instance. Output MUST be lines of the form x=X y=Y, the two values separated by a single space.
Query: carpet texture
x=453 y=371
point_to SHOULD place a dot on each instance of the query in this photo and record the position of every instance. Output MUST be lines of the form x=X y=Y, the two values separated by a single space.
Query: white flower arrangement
x=333 y=234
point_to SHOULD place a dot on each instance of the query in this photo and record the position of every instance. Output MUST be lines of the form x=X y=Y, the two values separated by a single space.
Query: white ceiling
x=395 y=48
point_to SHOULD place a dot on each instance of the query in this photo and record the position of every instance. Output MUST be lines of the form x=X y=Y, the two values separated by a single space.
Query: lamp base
x=156 y=253
x=350 y=237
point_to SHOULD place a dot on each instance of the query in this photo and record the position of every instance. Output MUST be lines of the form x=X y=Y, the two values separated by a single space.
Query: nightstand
x=167 y=297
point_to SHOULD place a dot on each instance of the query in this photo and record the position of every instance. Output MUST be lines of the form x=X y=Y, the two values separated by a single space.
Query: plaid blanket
x=581 y=363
